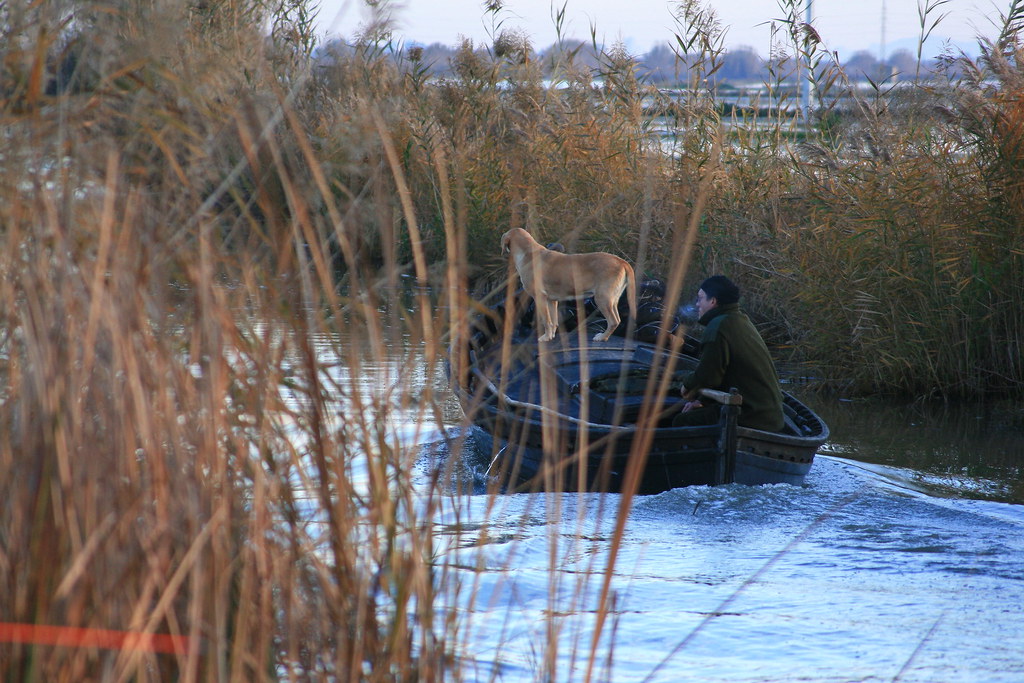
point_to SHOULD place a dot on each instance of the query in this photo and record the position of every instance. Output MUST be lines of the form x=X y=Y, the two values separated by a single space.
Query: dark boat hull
x=579 y=415
x=599 y=460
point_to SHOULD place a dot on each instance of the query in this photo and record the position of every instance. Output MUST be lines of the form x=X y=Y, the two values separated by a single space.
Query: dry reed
x=203 y=256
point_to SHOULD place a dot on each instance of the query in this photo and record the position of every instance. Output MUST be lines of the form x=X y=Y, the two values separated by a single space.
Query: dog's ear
x=505 y=239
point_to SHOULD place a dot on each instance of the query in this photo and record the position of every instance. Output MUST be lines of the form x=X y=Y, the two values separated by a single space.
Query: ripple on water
x=849 y=577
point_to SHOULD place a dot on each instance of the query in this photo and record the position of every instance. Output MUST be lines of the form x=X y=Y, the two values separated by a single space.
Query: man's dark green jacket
x=734 y=355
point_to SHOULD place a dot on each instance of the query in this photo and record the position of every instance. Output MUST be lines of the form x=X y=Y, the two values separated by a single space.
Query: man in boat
x=733 y=354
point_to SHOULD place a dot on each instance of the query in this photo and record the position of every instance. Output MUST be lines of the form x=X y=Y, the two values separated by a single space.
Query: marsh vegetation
x=205 y=240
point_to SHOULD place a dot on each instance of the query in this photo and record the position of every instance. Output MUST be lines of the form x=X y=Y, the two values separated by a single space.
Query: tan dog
x=550 y=277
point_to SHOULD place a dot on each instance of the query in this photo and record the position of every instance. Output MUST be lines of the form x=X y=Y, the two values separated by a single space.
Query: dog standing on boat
x=549 y=277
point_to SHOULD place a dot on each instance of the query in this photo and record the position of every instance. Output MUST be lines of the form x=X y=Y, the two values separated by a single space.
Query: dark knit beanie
x=721 y=288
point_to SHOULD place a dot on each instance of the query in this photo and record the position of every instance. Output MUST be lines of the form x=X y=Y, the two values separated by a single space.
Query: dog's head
x=521 y=238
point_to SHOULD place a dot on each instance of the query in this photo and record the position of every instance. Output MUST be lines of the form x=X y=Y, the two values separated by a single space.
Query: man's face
x=704 y=304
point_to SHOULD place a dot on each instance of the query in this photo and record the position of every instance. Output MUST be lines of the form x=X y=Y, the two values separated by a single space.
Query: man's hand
x=691 y=399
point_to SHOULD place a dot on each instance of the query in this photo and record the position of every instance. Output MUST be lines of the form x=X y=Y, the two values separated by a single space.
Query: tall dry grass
x=874 y=232
x=197 y=485
x=201 y=248
x=886 y=244
x=202 y=255
x=571 y=163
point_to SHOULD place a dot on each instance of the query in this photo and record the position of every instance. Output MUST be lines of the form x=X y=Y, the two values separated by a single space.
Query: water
x=901 y=559
x=877 y=569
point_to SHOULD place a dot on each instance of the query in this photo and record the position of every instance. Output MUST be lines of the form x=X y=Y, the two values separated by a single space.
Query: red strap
x=72 y=636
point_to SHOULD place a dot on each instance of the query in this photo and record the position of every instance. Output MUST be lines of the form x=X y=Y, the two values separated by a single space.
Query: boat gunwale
x=747 y=433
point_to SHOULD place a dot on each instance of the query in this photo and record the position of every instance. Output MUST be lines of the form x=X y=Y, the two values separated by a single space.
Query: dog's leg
x=611 y=315
x=540 y=305
x=552 y=318
x=550 y=321
x=609 y=307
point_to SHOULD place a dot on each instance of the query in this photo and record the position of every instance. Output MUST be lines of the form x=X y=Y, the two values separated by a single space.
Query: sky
x=846 y=26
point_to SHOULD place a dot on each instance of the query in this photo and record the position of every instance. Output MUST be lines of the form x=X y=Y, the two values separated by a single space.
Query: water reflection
x=846 y=578
x=956 y=449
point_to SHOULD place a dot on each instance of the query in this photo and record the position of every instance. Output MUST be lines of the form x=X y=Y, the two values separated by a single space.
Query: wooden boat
x=575 y=414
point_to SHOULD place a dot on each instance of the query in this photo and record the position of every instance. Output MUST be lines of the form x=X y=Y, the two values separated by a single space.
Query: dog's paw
x=602 y=336
x=546 y=337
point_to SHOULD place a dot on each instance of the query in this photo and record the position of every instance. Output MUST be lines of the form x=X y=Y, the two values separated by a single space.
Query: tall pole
x=884 y=72
x=806 y=85
x=881 y=50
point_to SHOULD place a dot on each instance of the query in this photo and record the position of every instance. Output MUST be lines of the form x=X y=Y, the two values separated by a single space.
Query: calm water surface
x=901 y=559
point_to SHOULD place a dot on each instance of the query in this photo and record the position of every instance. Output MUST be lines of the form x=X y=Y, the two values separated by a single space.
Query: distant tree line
x=663 y=66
